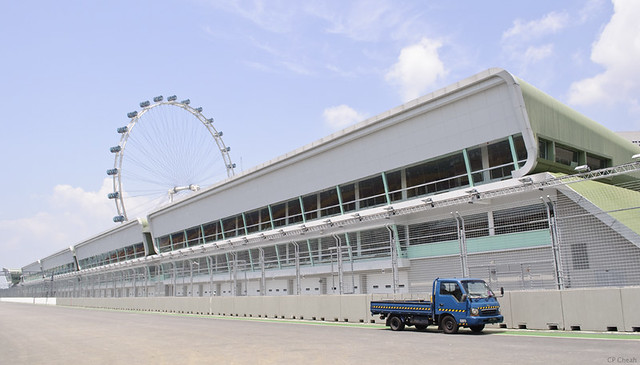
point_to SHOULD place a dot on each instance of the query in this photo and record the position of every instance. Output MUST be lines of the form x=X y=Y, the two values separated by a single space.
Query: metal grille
x=599 y=248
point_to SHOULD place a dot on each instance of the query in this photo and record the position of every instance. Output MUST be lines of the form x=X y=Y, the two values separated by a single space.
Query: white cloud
x=534 y=54
x=273 y=16
x=418 y=69
x=549 y=24
x=341 y=116
x=360 y=20
x=69 y=215
x=522 y=42
x=590 y=10
x=617 y=50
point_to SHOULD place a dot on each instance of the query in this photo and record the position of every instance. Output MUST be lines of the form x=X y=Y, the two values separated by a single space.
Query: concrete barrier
x=604 y=309
x=593 y=309
x=44 y=301
x=533 y=310
x=630 y=297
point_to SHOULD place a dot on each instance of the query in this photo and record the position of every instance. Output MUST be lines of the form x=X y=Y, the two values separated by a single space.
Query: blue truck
x=454 y=303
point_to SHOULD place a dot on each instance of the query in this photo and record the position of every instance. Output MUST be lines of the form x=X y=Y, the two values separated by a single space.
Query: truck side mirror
x=464 y=298
x=502 y=291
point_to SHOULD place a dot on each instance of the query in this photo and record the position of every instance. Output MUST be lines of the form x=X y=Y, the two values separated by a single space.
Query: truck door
x=450 y=300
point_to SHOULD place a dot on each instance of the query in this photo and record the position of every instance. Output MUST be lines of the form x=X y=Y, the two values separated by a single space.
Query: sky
x=275 y=76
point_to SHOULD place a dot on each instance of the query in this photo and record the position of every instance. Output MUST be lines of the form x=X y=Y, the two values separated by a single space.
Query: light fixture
x=429 y=201
x=636 y=156
x=583 y=168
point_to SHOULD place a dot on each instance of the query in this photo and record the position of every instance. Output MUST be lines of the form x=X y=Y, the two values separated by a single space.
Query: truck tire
x=396 y=323
x=477 y=329
x=449 y=325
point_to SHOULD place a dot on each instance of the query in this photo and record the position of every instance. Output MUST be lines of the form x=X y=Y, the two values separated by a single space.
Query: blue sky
x=275 y=75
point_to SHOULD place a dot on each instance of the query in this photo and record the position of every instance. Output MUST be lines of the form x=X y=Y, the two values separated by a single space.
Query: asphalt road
x=34 y=334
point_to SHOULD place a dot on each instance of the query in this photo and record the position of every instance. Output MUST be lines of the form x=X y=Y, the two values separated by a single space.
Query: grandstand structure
x=488 y=177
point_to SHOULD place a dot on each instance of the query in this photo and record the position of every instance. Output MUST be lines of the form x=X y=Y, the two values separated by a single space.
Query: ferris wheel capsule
x=145 y=104
x=119 y=218
x=132 y=114
x=115 y=149
x=172 y=98
x=157 y=99
x=124 y=129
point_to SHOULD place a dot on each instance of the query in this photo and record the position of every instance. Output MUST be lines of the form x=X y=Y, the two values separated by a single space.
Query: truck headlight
x=475 y=311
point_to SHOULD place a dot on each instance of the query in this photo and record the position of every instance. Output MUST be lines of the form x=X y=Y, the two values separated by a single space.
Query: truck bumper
x=474 y=321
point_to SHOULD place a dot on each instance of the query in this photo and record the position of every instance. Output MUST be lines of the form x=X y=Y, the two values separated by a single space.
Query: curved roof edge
x=370 y=124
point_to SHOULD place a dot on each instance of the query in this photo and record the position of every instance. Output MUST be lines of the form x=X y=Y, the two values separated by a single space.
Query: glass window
x=371 y=192
x=294 y=213
x=475 y=162
x=500 y=159
x=439 y=175
x=164 y=243
x=596 y=163
x=329 y=203
x=310 y=203
x=394 y=182
x=543 y=149
x=139 y=249
x=521 y=150
x=451 y=289
x=253 y=221
x=212 y=231
x=230 y=226
x=177 y=240
x=194 y=236
x=279 y=212
x=265 y=220
x=348 y=192
x=566 y=156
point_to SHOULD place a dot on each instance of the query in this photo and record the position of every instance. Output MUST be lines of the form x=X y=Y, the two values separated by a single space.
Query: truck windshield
x=477 y=289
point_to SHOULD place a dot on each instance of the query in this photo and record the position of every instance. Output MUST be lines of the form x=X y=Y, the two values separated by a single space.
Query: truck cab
x=453 y=303
x=464 y=302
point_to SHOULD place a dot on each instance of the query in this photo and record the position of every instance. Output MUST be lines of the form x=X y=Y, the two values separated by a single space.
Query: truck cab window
x=451 y=289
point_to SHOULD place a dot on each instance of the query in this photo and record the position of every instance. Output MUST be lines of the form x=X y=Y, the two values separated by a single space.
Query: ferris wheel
x=167 y=150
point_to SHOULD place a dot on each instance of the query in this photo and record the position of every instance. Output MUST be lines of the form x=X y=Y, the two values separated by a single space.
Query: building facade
x=476 y=179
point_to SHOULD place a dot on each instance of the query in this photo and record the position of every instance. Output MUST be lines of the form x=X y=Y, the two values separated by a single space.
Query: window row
x=61 y=269
x=569 y=156
x=119 y=255
x=468 y=167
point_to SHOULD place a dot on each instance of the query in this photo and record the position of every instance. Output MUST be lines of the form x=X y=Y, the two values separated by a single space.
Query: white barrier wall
x=48 y=301
x=610 y=309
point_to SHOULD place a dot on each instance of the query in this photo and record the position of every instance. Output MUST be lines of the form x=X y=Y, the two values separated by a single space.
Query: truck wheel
x=477 y=329
x=449 y=325
x=396 y=323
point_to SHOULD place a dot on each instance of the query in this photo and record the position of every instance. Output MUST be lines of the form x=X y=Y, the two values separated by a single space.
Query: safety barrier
x=47 y=301
x=610 y=309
